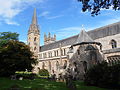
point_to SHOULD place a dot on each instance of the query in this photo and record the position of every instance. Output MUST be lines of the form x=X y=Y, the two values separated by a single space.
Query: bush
x=103 y=75
x=43 y=72
x=25 y=75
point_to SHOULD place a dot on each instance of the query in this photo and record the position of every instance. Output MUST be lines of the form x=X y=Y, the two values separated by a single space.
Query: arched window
x=43 y=65
x=64 y=51
x=85 y=65
x=65 y=65
x=113 y=43
x=61 y=52
x=35 y=39
x=57 y=65
x=93 y=57
x=49 y=65
x=35 y=48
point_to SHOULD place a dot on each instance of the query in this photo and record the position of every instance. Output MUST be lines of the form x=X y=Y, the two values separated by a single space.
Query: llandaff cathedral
x=78 y=53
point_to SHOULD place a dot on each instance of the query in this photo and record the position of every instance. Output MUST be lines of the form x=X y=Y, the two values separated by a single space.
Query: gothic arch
x=35 y=39
x=93 y=57
x=113 y=43
x=49 y=65
x=34 y=48
x=65 y=64
x=57 y=65
x=85 y=66
x=113 y=59
x=43 y=65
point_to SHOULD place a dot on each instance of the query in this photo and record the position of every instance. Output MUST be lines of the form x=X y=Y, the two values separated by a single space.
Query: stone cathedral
x=80 y=51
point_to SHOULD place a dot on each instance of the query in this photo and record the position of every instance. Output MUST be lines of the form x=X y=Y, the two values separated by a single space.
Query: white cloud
x=11 y=22
x=25 y=41
x=67 y=32
x=53 y=17
x=46 y=14
x=10 y=8
x=110 y=21
x=72 y=28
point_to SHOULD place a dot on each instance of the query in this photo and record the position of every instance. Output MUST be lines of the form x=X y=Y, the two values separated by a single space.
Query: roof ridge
x=99 y=28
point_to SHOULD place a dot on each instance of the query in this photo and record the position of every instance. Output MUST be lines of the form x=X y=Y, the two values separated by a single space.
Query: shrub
x=43 y=72
x=25 y=75
x=103 y=75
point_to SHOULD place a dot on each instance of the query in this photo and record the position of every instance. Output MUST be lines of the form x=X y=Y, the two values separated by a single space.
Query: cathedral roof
x=108 y=30
x=84 y=37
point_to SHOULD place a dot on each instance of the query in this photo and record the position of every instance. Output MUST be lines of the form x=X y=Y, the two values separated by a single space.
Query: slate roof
x=83 y=37
x=108 y=30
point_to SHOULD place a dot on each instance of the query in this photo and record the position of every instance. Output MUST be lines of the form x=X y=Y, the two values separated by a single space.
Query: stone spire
x=84 y=37
x=34 y=35
x=54 y=36
x=34 y=18
x=34 y=26
x=49 y=36
x=45 y=37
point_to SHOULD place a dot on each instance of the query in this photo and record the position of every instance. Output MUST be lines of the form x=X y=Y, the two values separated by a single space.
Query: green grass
x=82 y=86
x=37 y=84
x=41 y=84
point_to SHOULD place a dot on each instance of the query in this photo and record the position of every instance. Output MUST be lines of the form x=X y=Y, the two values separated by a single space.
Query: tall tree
x=94 y=6
x=6 y=36
x=15 y=56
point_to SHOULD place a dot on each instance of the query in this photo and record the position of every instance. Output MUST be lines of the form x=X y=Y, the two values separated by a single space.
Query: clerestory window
x=113 y=43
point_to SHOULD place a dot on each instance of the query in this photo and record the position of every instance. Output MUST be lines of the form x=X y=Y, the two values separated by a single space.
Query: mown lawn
x=81 y=86
x=41 y=84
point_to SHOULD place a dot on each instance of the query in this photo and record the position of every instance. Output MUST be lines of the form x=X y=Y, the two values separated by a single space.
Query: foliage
x=43 y=72
x=22 y=72
x=6 y=36
x=15 y=56
x=103 y=75
x=94 y=6
x=81 y=86
x=25 y=75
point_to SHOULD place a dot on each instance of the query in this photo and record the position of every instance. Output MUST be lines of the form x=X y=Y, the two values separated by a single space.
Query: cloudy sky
x=61 y=17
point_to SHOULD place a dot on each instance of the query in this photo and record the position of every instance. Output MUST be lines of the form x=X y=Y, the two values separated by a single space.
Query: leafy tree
x=15 y=56
x=94 y=6
x=104 y=75
x=43 y=72
x=6 y=36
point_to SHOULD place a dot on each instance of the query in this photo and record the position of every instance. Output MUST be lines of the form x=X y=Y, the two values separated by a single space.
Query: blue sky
x=61 y=17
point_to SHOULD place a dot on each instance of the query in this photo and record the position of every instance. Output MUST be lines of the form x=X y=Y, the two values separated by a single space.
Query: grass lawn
x=41 y=84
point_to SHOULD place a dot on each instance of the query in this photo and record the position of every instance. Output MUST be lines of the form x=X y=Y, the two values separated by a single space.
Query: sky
x=61 y=17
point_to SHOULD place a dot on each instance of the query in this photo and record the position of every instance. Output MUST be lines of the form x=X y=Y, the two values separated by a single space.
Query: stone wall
x=106 y=41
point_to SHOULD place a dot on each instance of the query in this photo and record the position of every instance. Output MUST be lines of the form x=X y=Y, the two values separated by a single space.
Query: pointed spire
x=84 y=37
x=83 y=27
x=34 y=19
x=54 y=36
x=45 y=36
x=49 y=36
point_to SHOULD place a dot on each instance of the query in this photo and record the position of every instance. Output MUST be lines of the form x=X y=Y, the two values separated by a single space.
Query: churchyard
x=40 y=84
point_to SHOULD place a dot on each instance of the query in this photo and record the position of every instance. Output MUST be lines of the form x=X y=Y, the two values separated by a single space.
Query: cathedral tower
x=34 y=35
x=49 y=39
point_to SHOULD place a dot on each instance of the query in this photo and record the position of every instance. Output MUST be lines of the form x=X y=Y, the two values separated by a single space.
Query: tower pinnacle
x=34 y=18
x=34 y=35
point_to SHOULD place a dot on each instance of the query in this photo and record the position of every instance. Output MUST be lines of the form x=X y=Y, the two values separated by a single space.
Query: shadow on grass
x=41 y=84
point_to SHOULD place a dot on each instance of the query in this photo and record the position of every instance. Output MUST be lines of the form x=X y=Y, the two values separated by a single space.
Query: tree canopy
x=94 y=6
x=6 y=36
x=15 y=56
